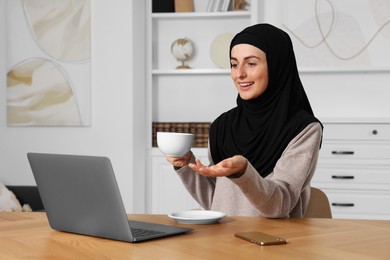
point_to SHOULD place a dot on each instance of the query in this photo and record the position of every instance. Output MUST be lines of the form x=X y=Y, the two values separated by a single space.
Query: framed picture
x=48 y=63
x=339 y=35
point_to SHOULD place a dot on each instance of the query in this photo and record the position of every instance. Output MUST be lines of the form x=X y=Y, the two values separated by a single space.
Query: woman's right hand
x=234 y=167
x=179 y=162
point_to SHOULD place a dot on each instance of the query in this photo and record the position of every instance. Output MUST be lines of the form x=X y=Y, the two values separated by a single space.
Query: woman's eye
x=233 y=65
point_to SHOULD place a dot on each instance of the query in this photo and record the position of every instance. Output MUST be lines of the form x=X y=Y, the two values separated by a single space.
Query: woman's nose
x=241 y=73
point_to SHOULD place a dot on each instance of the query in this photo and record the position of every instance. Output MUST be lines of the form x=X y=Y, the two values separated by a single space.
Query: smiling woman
x=264 y=151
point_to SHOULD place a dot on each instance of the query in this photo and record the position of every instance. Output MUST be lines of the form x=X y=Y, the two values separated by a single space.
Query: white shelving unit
x=198 y=94
x=190 y=72
x=194 y=90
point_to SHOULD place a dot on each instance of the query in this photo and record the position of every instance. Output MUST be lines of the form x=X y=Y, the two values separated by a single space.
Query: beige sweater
x=282 y=194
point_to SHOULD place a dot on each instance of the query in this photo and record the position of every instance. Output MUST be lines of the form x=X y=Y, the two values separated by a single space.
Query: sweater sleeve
x=278 y=194
x=200 y=187
x=283 y=193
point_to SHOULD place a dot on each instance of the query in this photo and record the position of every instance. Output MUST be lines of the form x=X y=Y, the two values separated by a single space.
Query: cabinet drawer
x=357 y=203
x=356 y=150
x=357 y=132
x=350 y=178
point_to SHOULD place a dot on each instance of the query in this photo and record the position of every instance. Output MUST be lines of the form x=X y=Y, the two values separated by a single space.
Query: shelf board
x=189 y=71
x=355 y=120
x=201 y=15
x=343 y=70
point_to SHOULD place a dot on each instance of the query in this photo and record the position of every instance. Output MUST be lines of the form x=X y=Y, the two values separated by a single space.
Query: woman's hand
x=234 y=167
x=179 y=162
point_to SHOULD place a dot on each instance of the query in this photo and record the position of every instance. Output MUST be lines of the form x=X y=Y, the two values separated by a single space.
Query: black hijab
x=261 y=128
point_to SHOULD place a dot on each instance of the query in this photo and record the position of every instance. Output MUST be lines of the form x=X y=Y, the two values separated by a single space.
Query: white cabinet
x=354 y=169
x=167 y=191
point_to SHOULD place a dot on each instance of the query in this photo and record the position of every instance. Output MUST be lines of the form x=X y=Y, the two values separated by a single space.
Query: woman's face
x=249 y=70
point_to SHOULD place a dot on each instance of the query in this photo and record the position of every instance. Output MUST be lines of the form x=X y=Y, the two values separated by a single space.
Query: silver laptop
x=80 y=195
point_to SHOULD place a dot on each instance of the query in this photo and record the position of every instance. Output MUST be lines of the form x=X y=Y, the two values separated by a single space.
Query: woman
x=263 y=153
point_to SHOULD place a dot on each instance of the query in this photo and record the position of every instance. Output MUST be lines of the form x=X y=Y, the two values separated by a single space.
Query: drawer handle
x=343 y=204
x=343 y=177
x=343 y=152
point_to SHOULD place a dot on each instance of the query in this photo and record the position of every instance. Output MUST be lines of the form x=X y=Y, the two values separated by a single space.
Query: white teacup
x=174 y=144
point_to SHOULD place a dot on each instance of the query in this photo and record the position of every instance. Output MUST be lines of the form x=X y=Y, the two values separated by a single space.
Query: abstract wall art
x=48 y=62
x=339 y=34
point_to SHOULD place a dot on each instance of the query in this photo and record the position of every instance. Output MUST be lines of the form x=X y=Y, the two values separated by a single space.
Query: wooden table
x=28 y=236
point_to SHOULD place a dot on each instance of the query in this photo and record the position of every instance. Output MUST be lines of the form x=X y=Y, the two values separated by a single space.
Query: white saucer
x=197 y=216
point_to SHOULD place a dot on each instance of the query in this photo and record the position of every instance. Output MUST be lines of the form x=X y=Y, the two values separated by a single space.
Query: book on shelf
x=218 y=6
x=209 y=6
x=225 y=5
x=184 y=6
x=163 y=6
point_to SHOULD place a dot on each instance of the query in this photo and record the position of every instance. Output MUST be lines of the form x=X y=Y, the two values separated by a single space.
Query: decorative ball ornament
x=183 y=50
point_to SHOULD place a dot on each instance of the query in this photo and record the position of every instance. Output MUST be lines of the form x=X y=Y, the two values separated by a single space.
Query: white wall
x=117 y=105
x=349 y=96
x=338 y=96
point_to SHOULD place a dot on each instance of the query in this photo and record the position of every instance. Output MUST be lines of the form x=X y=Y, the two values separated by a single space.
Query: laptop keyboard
x=139 y=232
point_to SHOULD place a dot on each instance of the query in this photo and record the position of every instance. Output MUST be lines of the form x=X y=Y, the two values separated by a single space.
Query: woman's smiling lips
x=245 y=85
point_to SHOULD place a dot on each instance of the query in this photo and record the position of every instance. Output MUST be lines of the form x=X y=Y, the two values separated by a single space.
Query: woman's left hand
x=234 y=167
